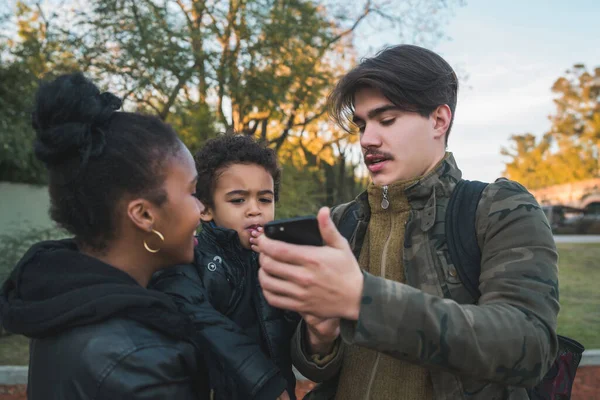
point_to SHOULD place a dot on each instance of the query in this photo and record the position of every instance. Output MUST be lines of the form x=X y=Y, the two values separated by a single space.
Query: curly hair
x=95 y=155
x=223 y=151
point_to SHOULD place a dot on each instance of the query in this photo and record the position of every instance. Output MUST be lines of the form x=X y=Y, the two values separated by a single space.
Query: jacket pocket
x=453 y=287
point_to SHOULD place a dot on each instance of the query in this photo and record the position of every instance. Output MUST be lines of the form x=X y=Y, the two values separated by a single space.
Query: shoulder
x=182 y=282
x=509 y=215
x=209 y=279
x=506 y=192
x=504 y=197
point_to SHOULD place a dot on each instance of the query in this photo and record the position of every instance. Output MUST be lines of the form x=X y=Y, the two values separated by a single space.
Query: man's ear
x=442 y=116
x=141 y=213
x=206 y=215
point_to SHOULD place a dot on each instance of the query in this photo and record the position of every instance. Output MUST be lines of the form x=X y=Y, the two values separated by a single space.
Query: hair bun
x=111 y=104
x=68 y=112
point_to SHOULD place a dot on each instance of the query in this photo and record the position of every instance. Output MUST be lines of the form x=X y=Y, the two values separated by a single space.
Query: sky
x=508 y=54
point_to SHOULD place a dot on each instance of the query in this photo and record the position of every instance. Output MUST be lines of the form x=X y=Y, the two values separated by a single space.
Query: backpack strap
x=347 y=221
x=461 y=233
x=345 y=218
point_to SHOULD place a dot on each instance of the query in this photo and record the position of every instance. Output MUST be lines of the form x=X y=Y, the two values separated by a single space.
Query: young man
x=412 y=331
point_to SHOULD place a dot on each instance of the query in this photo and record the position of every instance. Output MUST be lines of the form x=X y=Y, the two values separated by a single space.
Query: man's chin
x=381 y=179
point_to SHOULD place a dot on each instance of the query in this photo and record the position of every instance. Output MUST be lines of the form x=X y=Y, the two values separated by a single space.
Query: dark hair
x=223 y=151
x=96 y=155
x=411 y=77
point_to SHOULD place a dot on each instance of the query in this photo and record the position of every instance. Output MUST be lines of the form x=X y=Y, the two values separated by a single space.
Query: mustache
x=377 y=153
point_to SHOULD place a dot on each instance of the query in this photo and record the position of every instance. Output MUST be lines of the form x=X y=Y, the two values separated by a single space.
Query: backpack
x=461 y=238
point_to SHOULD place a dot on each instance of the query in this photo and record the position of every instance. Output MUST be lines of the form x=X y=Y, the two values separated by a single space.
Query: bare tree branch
x=366 y=10
x=174 y=93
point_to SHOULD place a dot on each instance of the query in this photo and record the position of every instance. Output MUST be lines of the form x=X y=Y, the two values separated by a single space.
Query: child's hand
x=284 y=396
x=256 y=233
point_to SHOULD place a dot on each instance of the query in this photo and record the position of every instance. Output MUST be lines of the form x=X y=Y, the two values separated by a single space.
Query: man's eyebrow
x=377 y=111
x=380 y=110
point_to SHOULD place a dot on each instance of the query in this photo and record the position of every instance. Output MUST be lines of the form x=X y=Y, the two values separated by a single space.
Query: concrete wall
x=23 y=206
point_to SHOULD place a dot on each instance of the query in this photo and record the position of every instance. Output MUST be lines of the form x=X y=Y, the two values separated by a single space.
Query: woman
x=123 y=185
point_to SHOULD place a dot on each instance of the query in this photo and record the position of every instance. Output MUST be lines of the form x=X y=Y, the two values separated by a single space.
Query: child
x=246 y=342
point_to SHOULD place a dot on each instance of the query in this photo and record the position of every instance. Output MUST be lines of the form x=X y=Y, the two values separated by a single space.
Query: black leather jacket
x=247 y=340
x=113 y=360
x=97 y=334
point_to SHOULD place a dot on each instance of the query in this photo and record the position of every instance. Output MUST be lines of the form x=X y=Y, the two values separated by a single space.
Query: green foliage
x=35 y=52
x=14 y=245
x=579 y=295
x=300 y=194
x=14 y=350
x=17 y=163
x=194 y=123
x=256 y=67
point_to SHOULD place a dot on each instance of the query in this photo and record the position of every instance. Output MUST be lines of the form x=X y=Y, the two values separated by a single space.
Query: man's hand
x=321 y=333
x=323 y=281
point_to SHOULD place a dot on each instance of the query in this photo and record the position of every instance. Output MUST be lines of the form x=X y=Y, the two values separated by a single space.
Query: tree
x=34 y=52
x=257 y=67
x=16 y=136
x=535 y=164
x=263 y=67
x=578 y=110
x=569 y=152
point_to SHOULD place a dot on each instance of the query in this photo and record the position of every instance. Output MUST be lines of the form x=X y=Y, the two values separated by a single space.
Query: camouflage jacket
x=493 y=349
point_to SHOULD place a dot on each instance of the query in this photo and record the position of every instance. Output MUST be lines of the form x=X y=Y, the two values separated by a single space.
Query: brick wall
x=585 y=387
x=13 y=392
x=587 y=383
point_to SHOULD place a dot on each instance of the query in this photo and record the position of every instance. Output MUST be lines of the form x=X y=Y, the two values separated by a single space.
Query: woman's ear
x=140 y=212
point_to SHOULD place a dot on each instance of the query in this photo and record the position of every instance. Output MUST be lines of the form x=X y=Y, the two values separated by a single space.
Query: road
x=577 y=238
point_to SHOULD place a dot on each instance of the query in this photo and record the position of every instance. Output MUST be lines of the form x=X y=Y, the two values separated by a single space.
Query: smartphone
x=300 y=230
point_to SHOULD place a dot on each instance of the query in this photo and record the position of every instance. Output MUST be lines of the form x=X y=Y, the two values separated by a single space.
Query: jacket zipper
x=385 y=203
x=256 y=299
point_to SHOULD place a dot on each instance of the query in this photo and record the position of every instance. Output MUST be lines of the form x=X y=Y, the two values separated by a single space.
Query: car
x=566 y=220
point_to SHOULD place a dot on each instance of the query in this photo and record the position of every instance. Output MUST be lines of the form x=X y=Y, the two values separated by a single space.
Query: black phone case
x=301 y=230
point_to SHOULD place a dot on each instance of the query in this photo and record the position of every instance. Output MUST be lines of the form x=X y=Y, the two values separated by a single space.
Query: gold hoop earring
x=162 y=238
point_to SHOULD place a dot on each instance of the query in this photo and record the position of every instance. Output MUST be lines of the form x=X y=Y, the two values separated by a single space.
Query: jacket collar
x=224 y=238
x=424 y=193
x=439 y=182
